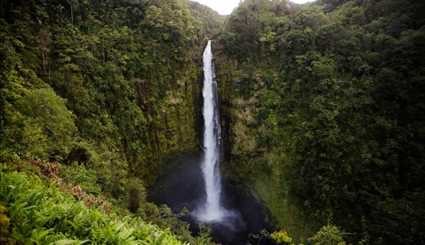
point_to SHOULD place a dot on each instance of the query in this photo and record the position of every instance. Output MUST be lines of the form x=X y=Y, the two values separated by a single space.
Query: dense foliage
x=42 y=214
x=120 y=81
x=112 y=86
x=107 y=88
x=322 y=109
x=325 y=113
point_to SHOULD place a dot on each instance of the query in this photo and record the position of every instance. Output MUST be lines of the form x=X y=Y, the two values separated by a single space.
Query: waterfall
x=211 y=210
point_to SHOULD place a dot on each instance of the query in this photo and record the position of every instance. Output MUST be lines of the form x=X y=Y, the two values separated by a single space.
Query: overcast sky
x=226 y=6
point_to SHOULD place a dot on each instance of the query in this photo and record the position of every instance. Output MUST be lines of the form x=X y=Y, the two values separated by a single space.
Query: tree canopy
x=332 y=92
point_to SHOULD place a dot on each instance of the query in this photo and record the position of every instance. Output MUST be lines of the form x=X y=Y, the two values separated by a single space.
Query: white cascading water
x=211 y=210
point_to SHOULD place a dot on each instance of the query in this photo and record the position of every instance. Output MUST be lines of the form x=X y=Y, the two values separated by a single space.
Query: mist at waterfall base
x=194 y=182
x=182 y=188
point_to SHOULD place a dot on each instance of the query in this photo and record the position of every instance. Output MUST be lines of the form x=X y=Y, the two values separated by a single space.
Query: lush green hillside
x=98 y=82
x=41 y=214
x=108 y=89
x=324 y=109
x=211 y=22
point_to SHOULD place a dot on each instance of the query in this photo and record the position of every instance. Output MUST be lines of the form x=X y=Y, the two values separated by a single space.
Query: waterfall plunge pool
x=182 y=187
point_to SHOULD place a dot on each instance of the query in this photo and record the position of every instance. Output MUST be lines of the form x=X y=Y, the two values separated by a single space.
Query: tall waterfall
x=211 y=210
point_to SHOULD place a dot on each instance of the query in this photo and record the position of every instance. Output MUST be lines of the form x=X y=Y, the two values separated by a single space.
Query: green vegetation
x=42 y=214
x=106 y=88
x=118 y=81
x=324 y=108
x=328 y=235
x=58 y=207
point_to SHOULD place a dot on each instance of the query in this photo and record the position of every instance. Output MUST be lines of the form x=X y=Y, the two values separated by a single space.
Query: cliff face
x=115 y=86
x=317 y=109
x=94 y=96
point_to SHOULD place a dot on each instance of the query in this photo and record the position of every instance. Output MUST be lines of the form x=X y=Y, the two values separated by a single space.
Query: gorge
x=197 y=184
x=121 y=123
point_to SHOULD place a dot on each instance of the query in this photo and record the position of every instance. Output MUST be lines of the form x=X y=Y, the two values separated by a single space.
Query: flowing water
x=211 y=210
x=195 y=184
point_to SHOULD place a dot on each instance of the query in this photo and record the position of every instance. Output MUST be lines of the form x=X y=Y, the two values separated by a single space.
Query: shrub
x=328 y=235
x=281 y=237
x=82 y=176
x=136 y=194
x=4 y=224
x=39 y=124
x=41 y=214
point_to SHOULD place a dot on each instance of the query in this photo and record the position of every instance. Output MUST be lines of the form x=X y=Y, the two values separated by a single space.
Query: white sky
x=226 y=6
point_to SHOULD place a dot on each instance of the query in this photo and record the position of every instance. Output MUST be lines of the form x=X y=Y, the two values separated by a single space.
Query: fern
x=41 y=214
